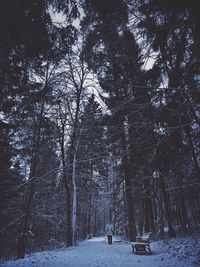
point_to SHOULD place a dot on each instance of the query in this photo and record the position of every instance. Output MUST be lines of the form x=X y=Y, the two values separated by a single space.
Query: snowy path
x=97 y=253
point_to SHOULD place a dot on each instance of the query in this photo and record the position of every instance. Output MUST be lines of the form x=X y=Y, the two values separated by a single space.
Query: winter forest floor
x=179 y=252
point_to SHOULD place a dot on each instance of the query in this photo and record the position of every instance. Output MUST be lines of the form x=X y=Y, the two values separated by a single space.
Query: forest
x=99 y=121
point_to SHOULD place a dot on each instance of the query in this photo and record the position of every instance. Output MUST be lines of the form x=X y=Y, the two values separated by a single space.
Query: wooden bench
x=142 y=244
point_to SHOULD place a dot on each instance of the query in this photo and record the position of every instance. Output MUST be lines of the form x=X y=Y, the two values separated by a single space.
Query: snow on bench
x=142 y=244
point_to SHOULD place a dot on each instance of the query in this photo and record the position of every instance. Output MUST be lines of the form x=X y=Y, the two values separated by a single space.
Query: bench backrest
x=146 y=236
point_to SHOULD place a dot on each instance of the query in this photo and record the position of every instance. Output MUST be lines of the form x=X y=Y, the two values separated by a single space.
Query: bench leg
x=148 y=250
x=141 y=248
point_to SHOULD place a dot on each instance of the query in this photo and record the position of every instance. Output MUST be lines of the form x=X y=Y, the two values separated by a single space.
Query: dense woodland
x=99 y=120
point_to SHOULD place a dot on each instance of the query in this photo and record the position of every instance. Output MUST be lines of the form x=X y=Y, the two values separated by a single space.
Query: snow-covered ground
x=96 y=252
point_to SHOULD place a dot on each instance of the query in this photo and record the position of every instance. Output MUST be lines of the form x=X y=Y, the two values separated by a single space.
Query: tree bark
x=184 y=216
x=194 y=157
x=128 y=190
x=22 y=243
x=149 y=216
x=74 y=201
x=171 y=230
x=67 y=185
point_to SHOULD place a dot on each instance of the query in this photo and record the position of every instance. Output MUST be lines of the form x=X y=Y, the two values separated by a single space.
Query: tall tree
x=116 y=59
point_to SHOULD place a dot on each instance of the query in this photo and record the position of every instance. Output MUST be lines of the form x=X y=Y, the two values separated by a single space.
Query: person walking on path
x=109 y=232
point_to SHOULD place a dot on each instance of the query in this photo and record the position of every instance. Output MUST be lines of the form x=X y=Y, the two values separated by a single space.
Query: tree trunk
x=128 y=193
x=194 y=157
x=21 y=247
x=171 y=230
x=95 y=218
x=184 y=216
x=162 y=232
x=67 y=187
x=149 y=216
x=90 y=200
x=74 y=201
